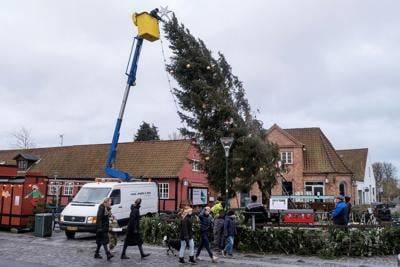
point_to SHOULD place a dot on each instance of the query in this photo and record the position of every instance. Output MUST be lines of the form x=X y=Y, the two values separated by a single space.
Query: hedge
x=332 y=242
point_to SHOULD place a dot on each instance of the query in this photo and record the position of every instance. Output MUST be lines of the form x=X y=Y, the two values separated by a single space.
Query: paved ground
x=26 y=250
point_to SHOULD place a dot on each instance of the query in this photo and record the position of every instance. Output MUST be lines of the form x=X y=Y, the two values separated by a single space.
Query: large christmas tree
x=213 y=105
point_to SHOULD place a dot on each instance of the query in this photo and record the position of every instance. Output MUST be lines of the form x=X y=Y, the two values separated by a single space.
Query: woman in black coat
x=133 y=235
x=102 y=227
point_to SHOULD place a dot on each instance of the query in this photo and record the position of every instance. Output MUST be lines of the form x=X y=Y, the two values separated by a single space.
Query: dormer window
x=22 y=165
x=25 y=161
x=196 y=165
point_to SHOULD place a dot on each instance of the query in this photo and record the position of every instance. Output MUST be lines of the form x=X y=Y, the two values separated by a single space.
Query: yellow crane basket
x=147 y=26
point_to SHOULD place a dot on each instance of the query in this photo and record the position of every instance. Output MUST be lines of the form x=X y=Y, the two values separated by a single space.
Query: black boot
x=142 y=254
x=124 y=257
x=182 y=260
x=97 y=256
x=192 y=260
x=109 y=256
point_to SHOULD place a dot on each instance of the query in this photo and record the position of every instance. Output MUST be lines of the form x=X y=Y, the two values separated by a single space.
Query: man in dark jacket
x=339 y=214
x=348 y=203
x=218 y=231
x=133 y=235
x=205 y=227
x=254 y=206
x=229 y=232
x=102 y=225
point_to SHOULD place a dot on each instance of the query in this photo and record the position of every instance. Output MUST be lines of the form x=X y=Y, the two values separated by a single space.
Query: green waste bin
x=43 y=224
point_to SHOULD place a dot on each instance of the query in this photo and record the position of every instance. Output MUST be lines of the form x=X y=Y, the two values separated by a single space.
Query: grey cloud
x=332 y=64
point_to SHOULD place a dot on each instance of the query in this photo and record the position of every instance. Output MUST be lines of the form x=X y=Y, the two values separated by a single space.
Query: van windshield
x=91 y=195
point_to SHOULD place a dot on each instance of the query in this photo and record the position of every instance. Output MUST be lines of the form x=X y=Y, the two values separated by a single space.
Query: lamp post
x=226 y=143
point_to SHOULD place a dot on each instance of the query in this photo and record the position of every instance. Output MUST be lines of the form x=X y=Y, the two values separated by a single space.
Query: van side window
x=116 y=196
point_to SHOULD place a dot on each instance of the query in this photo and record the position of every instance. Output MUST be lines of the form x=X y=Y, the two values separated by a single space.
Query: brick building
x=313 y=166
x=173 y=165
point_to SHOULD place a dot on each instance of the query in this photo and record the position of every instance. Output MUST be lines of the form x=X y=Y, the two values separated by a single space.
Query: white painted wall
x=366 y=190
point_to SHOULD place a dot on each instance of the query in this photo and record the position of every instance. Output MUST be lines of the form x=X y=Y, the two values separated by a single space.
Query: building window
x=52 y=189
x=196 y=165
x=68 y=189
x=287 y=157
x=22 y=165
x=314 y=189
x=342 y=189
x=287 y=188
x=163 y=190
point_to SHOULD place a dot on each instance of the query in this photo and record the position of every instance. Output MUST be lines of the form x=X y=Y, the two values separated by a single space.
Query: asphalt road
x=26 y=250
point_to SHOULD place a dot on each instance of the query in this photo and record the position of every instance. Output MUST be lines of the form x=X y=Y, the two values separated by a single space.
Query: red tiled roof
x=148 y=159
x=356 y=160
x=319 y=154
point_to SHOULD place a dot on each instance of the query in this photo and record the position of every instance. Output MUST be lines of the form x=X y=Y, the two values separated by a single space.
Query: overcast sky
x=329 y=64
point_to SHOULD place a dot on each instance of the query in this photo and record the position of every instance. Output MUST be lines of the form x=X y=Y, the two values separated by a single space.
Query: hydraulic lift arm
x=148 y=29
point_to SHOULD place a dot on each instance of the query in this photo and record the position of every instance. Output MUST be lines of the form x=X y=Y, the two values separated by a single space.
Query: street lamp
x=226 y=143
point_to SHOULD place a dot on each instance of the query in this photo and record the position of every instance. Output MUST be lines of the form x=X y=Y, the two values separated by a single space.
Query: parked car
x=80 y=214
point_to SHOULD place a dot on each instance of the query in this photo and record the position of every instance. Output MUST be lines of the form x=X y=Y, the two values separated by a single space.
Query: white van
x=80 y=214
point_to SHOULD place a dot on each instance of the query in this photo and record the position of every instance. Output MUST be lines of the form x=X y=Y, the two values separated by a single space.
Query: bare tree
x=389 y=170
x=175 y=136
x=377 y=168
x=23 y=139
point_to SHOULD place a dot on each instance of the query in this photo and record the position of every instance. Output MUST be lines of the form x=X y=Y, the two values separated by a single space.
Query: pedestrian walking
x=339 y=214
x=348 y=203
x=134 y=235
x=205 y=228
x=112 y=234
x=186 y=236
x=102 y=227
x=229 y=232
x=218 y=231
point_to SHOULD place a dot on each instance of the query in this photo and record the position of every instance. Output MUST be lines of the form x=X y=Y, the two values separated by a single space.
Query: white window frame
x=68 y=189
x=285 y=156
x=50 y=189
x=163 y=190
x=196 y=165
x=311 y=193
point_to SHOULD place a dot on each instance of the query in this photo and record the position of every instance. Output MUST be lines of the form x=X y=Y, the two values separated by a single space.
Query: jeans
x=204 y=243
x=229 y=244
x=183 y=247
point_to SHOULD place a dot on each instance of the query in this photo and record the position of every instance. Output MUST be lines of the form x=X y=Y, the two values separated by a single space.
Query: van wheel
x=70 y=235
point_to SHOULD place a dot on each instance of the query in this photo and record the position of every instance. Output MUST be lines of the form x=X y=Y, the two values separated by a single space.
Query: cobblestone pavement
x=29 y=251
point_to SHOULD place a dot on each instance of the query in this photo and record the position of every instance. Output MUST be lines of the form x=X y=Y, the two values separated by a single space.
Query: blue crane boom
x=148 y=29
x=112 y=154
